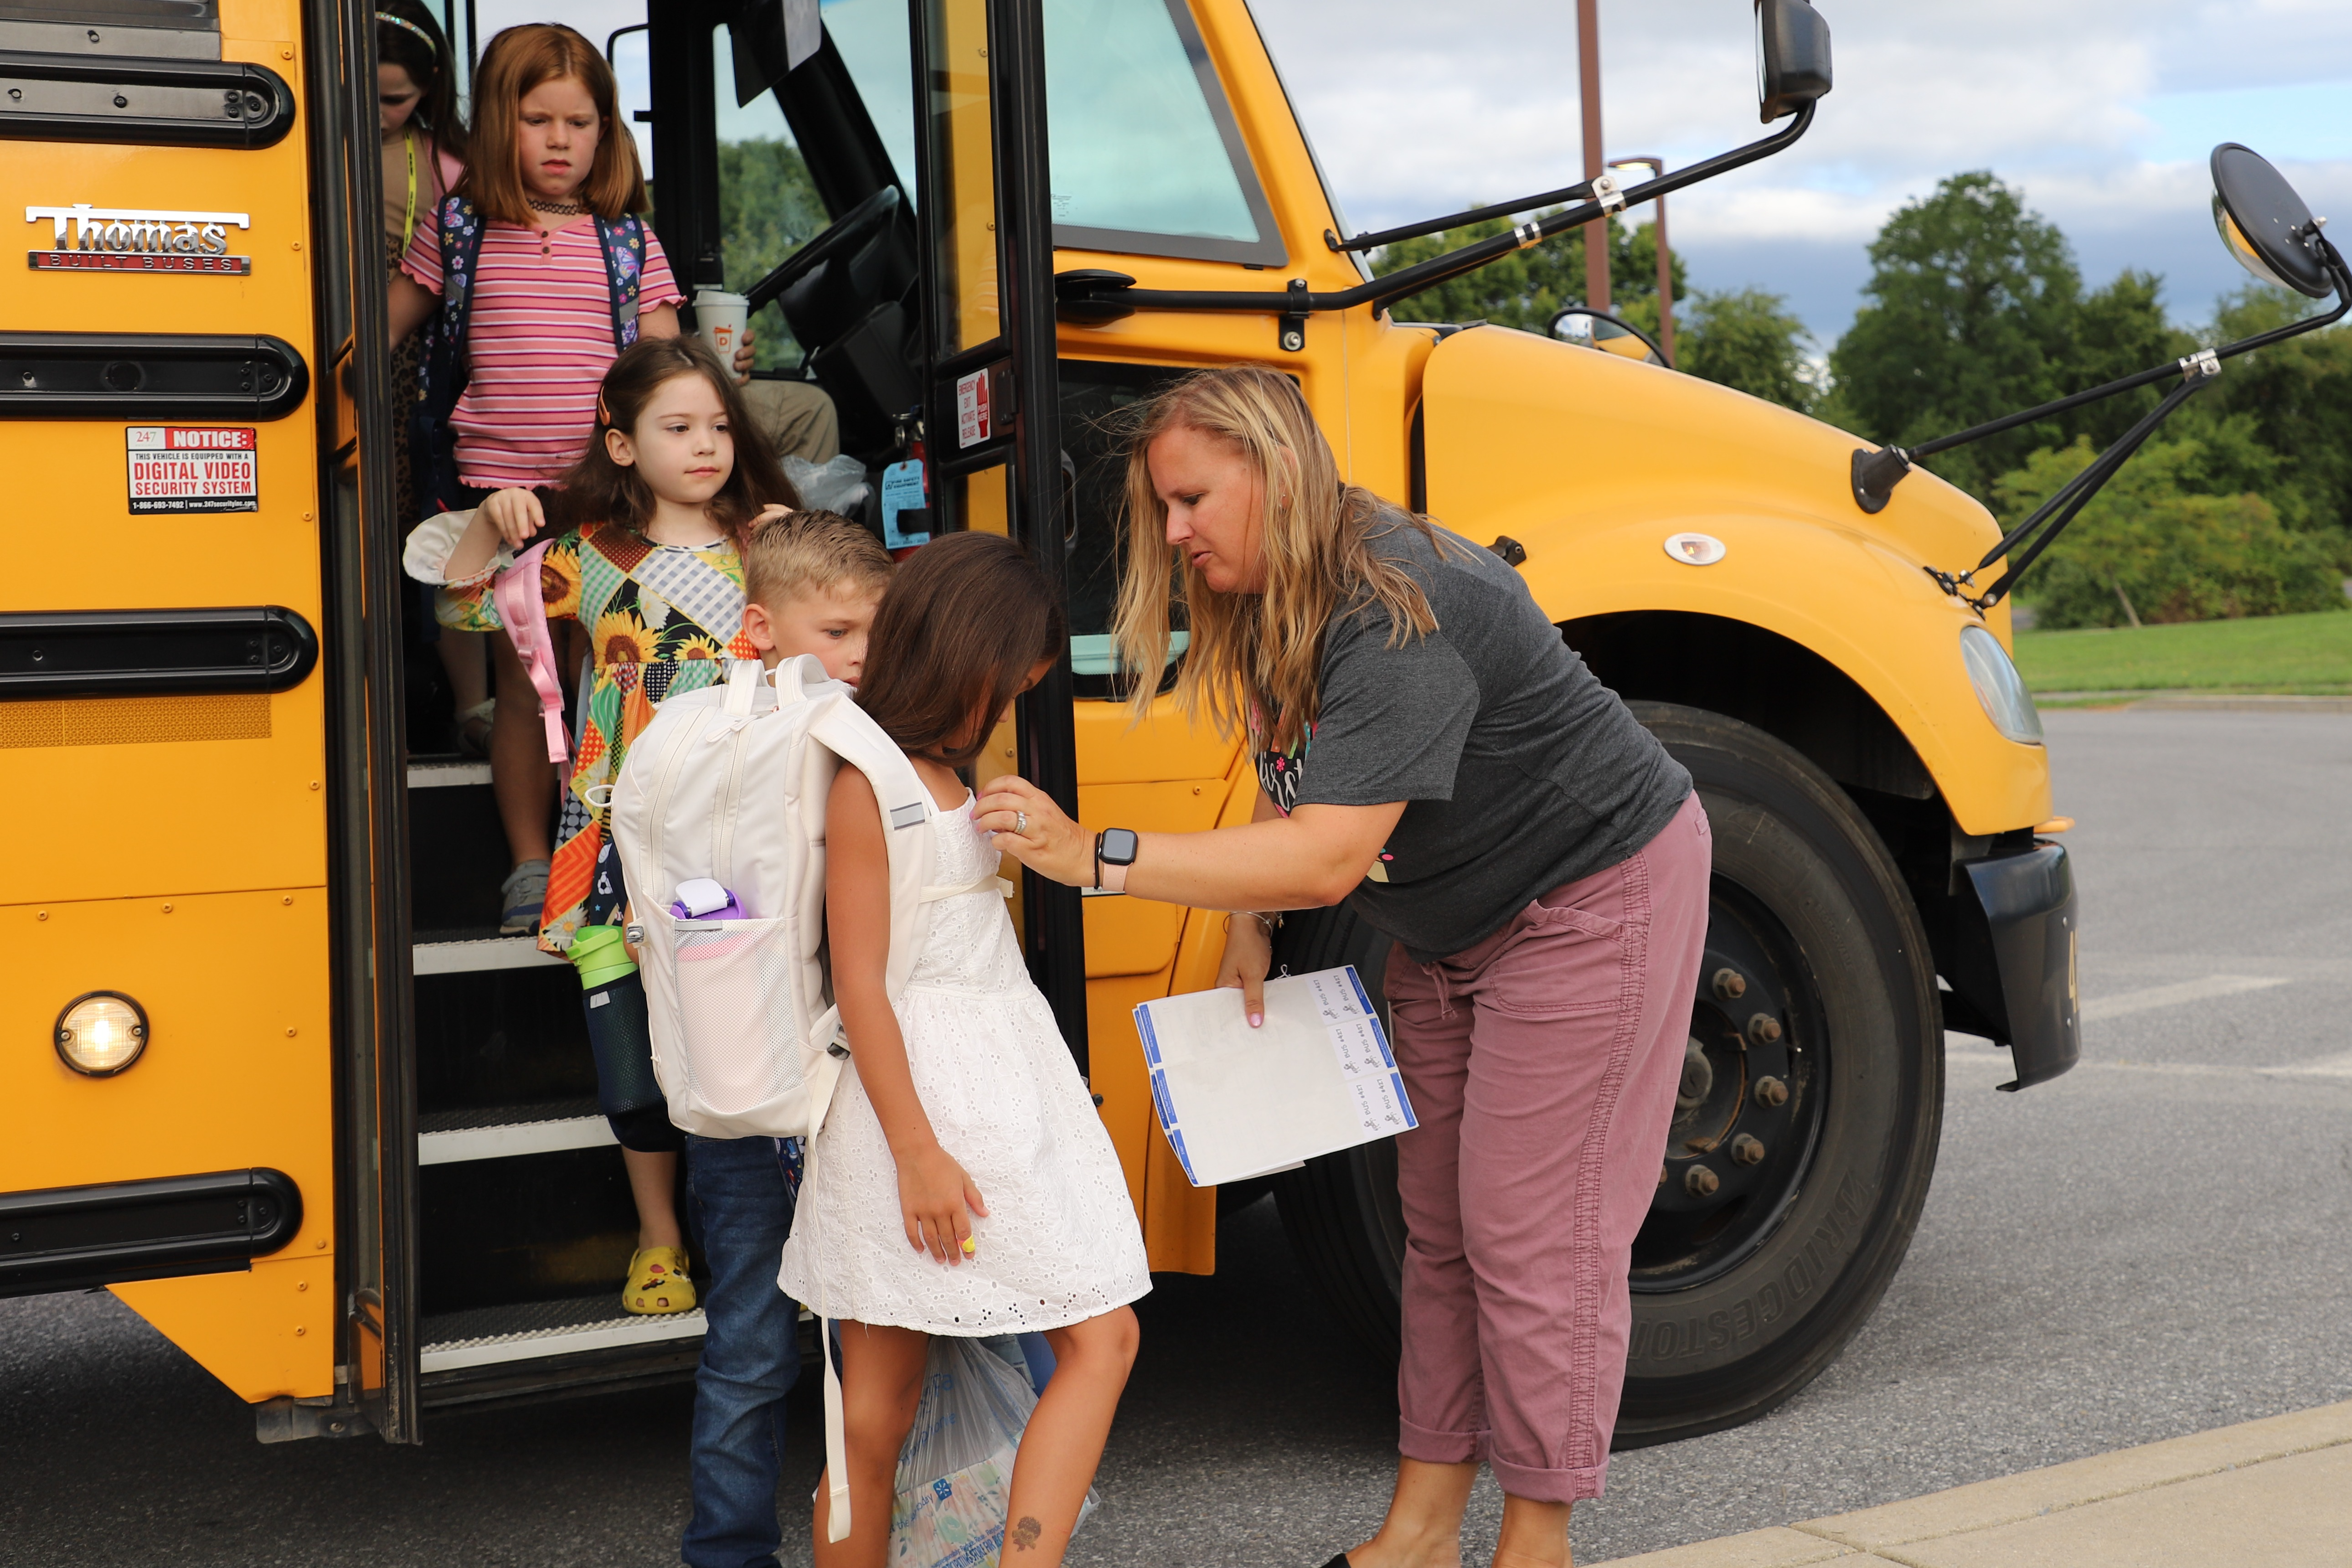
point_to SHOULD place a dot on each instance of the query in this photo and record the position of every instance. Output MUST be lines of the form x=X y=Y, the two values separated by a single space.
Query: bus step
x=507 y=1139
x=527 y=1331
x=447 y=773
x=475 y=955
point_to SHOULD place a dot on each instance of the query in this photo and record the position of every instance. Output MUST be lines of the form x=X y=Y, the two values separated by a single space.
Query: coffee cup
x=720 y=318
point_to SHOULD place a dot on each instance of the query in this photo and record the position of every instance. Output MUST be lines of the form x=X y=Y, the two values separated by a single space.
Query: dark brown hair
x=598 y=489
x=518 y=60
x=957 y=635
x=398 y=24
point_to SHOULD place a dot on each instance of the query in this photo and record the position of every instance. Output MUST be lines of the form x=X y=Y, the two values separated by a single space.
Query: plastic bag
x=955 y=1473
x=838 y=485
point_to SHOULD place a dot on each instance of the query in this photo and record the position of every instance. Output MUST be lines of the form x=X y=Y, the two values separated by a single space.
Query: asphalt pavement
x=2151 y=1247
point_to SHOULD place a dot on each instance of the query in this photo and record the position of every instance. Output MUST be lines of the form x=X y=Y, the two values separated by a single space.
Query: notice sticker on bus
x=188 y=469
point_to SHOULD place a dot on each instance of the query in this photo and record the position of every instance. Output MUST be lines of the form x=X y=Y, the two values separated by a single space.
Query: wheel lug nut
x=1730 y=986
x=1746 y=1150
x=1699 y=1182
x=1764 y=1029
x=1772 y=1093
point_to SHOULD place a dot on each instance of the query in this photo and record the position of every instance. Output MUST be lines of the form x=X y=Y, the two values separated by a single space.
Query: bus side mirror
x=2265 y=225
x=1793 y=56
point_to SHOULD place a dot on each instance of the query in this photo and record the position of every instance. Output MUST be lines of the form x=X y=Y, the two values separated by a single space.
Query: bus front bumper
x=2017 y=915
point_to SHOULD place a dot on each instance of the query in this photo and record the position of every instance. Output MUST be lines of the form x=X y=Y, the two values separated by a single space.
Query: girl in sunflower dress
x=655 y=573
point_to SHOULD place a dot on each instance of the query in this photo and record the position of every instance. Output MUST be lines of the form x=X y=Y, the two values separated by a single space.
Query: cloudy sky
x=2101 y=111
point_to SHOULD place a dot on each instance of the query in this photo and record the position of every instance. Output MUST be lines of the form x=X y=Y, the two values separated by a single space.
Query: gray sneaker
x=522 y=897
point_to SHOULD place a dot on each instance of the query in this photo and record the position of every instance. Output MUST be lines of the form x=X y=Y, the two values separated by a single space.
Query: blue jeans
x=742 y=1207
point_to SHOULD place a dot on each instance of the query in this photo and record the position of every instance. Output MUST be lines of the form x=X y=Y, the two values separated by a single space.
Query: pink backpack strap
x=522 y=610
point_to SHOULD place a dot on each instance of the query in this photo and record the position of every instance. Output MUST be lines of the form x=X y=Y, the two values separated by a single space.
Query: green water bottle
x=601 y=957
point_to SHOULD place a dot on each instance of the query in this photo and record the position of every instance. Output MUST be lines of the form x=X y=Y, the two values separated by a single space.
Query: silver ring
x=1019 y=824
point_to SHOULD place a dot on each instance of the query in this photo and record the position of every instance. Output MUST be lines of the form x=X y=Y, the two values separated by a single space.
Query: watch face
x=1119 y=845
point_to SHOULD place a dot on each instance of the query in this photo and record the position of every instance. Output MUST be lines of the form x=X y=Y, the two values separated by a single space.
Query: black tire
x=1745 y=1293
x=1341 y=1211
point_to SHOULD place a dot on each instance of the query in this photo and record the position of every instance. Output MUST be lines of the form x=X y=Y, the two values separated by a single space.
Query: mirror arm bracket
x=1875 y=474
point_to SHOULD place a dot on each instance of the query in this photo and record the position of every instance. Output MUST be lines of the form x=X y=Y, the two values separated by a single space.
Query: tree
x=1747 y=339
x=2156 y=545
x=768 y=208
x=2293 y=402
x=1527 y=288
x=1971 y=314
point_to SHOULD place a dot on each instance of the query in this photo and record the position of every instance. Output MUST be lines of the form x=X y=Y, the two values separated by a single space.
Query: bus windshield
x=1146 y=156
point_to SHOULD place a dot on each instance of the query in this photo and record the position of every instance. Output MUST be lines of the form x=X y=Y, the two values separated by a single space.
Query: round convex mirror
x=1592 y=330
x=2264 y=223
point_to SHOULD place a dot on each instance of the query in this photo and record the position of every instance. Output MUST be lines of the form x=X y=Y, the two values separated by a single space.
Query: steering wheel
x=849 y=232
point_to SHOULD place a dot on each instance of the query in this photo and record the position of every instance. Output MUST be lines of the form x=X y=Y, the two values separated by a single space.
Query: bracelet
x=1271 y=922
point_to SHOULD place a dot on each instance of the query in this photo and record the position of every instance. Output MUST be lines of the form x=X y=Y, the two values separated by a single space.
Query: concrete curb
x=2277 y=1492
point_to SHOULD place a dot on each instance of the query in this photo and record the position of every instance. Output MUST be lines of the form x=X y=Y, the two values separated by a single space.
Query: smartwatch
x=1114 y=853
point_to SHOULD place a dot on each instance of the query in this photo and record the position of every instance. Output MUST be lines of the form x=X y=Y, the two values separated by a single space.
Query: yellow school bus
x=278 y=1084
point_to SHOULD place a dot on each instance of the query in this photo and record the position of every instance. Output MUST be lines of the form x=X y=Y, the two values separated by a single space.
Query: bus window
x=1146 y=157
x=768 y=205
x=871 y=35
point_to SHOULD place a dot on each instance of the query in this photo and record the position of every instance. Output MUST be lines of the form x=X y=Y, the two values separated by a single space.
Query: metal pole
x=1666 y=284
x=1657 y=167
x=1587 y=65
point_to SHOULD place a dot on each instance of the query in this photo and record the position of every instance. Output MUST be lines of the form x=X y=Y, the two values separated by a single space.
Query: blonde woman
x=1430 y=753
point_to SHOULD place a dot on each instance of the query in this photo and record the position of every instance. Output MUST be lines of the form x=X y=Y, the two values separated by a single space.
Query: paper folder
x=1317 y=1076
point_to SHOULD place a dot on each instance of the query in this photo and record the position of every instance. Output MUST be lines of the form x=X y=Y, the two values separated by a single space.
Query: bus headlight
x=1999 y=688
x=102 y=1034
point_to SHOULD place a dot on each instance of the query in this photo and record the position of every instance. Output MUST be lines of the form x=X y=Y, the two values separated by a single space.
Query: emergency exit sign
x=191 y=468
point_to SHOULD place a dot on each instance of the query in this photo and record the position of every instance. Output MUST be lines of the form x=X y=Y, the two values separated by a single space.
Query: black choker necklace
x=562 y=209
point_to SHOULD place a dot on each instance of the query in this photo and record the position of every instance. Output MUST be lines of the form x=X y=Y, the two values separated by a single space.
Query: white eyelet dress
x=1060 y=1244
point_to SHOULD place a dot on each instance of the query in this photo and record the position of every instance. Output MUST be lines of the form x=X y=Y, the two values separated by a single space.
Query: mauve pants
x=1542 y=1064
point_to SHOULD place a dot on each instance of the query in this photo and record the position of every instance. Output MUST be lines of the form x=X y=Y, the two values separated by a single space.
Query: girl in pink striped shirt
x=543 y=235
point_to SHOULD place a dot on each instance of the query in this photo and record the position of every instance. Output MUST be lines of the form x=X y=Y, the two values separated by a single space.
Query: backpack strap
x=624 y=239
x=442 y=371
x=522 y=610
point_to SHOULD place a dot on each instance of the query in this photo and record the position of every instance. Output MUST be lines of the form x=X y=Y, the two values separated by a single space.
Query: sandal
x=473 y=728
x=657 y=1283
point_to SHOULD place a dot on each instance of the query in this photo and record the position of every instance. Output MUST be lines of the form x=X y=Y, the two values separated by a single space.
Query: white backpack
x=730 y=783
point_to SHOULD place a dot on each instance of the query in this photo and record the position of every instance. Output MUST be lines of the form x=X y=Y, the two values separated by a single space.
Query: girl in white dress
x=962 y=1183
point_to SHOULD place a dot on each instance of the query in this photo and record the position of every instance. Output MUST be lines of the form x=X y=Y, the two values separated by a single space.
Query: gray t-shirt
x=1520 y=770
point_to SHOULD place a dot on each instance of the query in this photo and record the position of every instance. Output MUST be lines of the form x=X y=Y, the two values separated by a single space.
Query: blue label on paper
x=1176 y=1141
x=1405 y=1101
x=1143 y=1027
x=1357 y=981
x=902 y=490
x=1159 y=1097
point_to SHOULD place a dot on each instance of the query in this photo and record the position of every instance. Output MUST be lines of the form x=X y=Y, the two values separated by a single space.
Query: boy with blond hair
x=812 y=581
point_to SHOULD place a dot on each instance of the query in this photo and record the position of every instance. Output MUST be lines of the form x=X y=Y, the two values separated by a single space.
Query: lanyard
x=408 y=219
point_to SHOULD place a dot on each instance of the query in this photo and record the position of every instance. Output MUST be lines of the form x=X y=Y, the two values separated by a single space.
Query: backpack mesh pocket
x=734 y=982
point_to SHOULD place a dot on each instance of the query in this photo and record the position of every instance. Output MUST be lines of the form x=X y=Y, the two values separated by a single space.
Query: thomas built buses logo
x=85 y=239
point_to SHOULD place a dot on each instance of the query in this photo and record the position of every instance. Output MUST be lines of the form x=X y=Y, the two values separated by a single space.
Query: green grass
x=2306 y=653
